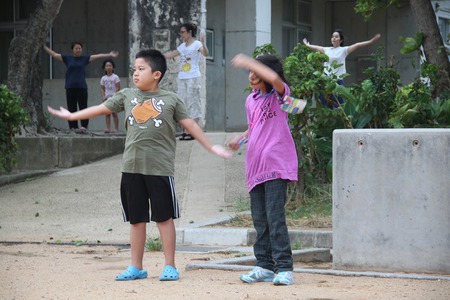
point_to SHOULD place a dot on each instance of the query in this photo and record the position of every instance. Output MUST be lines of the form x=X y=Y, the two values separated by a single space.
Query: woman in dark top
x=76 y=87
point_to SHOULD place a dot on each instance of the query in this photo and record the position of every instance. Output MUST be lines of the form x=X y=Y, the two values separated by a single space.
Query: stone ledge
x=53 y=152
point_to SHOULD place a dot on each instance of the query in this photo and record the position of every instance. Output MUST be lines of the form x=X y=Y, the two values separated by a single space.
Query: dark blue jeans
x=330 y=100
x=272 y=248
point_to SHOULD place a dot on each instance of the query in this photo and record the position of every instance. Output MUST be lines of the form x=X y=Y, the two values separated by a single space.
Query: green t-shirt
x=150 y=121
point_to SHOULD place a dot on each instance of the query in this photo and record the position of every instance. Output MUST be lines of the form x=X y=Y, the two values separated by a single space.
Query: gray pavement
x=83 y=203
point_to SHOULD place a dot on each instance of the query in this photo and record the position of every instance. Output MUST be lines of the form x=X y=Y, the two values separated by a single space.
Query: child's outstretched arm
x=84 y=114
x=265 y=73
x=195 y=130
x=236 y=142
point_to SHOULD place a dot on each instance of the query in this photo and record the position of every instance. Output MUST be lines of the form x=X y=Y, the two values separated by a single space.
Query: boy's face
x=143 y=76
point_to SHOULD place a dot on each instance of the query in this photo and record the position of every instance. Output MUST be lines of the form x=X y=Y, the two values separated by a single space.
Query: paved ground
x=83 y=203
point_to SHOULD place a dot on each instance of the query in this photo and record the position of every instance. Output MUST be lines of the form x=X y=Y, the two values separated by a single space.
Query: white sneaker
x=258 y=274
x=284 y=278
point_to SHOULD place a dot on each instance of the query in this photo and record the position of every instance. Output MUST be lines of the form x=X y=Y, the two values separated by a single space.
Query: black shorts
x=136 y=190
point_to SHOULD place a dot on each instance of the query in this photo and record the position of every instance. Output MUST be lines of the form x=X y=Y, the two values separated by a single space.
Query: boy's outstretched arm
x=84 y=114
x=195 y=130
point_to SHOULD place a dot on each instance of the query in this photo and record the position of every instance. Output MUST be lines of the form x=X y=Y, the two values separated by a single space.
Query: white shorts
x=189 y=92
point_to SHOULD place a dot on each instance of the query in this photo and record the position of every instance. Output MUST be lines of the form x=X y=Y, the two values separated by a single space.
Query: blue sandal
x=132 y=273
x=169 y=274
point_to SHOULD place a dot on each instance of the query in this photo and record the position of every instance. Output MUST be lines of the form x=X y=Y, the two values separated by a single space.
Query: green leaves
x=410 y=44
x=12 y=116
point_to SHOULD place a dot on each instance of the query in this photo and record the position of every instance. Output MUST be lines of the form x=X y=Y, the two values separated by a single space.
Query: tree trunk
x=434 y=50
x=24 y=68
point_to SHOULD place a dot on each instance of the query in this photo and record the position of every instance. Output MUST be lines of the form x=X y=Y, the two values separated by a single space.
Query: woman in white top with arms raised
x=338 y=53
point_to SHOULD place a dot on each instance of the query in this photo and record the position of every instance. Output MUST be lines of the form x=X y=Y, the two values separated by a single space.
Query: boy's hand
x=236 y=142
x=61 y=113
x=221 y=151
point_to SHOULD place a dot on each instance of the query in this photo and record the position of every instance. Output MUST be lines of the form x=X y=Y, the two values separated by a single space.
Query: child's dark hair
x=275 y=64
x=108 y=60
x=341 y=35
x=190 y=27
x=76 y=43
x=155 y=60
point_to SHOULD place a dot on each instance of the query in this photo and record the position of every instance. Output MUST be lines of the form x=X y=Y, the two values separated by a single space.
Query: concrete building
x=231 y=26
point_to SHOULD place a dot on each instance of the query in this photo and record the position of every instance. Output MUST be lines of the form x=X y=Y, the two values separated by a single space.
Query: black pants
x=77 y=100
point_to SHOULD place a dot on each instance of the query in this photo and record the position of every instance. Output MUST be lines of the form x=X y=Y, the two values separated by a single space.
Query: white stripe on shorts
x=176 y=208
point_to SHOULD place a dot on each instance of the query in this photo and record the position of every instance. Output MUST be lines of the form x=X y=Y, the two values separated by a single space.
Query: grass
x=316 y=202
x=309 y=210
x=242 y=204
x=153 y=244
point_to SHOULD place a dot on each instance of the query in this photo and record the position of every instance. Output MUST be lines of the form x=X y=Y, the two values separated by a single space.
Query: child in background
x=270 y=162
x=110 y=84
x=149 y=157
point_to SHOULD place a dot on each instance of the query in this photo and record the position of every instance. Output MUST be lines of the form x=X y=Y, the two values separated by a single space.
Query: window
x=210 y=43
x=13 y=18
x=304 y=13
x=444 y=28
x=296 y=24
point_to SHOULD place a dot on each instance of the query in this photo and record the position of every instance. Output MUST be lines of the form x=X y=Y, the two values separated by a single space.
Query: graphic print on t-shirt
x=146 y=110
x=186 y=66
x=186 y=58
x=263 y=113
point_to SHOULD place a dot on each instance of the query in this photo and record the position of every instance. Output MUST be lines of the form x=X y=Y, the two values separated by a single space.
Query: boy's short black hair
x=155 y=60
x=275 y=64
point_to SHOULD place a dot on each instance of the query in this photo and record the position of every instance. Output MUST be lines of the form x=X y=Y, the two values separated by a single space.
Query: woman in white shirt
x=338 y=53
x=190 y=52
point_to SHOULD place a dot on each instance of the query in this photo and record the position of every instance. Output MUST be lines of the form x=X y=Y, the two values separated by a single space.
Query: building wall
x=215 y=68
x=239 y=26
x=101 y=26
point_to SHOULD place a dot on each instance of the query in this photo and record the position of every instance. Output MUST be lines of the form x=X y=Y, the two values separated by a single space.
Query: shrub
x=12 y=116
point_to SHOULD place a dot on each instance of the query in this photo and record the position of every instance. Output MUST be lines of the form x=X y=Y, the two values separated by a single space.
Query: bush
x=12 y=116
x=378 y=102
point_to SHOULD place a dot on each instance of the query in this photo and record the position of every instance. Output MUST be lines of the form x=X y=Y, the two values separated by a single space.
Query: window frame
x=210 y=43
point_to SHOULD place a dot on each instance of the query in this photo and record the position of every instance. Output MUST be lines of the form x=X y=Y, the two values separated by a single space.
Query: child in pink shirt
x=271 y=162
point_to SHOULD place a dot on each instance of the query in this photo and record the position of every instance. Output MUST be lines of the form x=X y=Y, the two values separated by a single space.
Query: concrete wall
x=247 y=26
x=391 y=200
x=52 y=152
x=215 y=69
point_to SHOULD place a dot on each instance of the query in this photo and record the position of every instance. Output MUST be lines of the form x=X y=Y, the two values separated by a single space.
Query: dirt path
x=39 y=271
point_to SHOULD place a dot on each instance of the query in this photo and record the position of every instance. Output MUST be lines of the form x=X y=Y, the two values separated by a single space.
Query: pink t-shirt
x=271 y=152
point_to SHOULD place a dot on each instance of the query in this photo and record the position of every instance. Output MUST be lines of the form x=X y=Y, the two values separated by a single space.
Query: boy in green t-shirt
x=149 y=157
